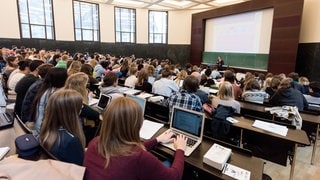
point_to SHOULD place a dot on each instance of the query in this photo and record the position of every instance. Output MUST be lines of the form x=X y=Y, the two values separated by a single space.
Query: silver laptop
x=141 y=101
x=189 y=123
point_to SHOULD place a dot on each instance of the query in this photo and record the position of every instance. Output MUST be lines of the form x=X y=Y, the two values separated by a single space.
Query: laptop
x=5 y=121
x=104 y=100
x=141 y=101
x=149 y=128
x=189 y=123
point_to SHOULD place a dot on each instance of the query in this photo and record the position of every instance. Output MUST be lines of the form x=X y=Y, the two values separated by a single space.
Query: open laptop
x=149 y=128
x=5 y=121
x=141 y=101
x=189 y=123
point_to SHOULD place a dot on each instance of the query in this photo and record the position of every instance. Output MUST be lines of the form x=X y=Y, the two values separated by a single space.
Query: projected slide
x=240 y=33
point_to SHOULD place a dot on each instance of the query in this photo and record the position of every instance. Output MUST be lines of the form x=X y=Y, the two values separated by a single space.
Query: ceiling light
x=177 y=3
x=129 y=2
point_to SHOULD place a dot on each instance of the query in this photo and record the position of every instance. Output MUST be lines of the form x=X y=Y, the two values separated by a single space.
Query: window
x=36 y=19
x=86 y=21
x=125 y=20
x=158 y=27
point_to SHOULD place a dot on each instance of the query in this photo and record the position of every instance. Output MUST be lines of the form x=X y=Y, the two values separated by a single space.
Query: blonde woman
x=75 y=67
x=61 y=132
x=78 y=82
x=180 y=77
x=118 y=152
x=225 y=97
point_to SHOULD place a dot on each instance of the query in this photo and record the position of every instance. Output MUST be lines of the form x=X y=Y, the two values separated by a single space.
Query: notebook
x=191 y=124
x=5 y=121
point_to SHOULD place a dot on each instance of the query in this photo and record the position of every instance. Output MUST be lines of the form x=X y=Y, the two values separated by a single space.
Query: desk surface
x=293 y=135
x=313 y=118
x=250 y=163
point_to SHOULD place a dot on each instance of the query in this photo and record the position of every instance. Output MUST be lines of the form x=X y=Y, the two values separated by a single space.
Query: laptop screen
x=103 y=101
x=140 y=101
x=187 y=121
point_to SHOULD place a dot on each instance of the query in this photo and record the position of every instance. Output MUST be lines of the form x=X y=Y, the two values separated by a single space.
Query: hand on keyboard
x=165 y=137
x=180 y=142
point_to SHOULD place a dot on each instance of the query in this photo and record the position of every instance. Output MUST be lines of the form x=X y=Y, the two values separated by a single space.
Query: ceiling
x=170 y=4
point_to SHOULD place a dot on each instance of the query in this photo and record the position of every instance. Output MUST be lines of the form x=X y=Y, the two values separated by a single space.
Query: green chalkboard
x=241 y=60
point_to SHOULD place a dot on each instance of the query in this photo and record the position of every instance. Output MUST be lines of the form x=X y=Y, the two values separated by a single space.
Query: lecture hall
x=160 y=89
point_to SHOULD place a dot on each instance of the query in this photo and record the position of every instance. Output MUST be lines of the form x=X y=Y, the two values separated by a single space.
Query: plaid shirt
x=186 y=100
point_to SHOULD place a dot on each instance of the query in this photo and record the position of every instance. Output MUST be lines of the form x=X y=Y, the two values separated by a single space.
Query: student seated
x=288 y=95
x=61 y=132
x=253 y=93
x=225 y=97
x=118 y=153
x=313 y=98
x=110 y=86
x=142 y=83
x=165 y=86
x=186 y=97
x=132 y=79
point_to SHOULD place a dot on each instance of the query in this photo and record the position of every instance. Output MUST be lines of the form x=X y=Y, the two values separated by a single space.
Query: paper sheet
x=271 y=127
x=149 y=128
x=236 y=172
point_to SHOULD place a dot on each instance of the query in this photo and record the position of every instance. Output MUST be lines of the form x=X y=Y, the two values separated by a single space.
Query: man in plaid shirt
x=185 y=97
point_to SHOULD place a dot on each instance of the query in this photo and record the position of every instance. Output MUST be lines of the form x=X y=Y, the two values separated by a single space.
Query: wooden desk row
x=195 y=160
x=312 y=119
x=293 y=138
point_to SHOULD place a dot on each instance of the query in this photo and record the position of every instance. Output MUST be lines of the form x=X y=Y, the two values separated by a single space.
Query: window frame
x=167 y=27
x=29 y=24
x=93 y=30
x=115 y=26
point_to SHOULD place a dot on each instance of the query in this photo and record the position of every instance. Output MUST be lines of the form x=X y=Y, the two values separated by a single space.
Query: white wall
x=179 y=23
x=9 y=27
x=63 y=20
x=107 y=31
x=179 y=27
x=310 y=27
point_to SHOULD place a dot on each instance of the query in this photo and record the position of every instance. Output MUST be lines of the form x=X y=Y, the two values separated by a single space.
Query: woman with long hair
x=78 y=82
x=142 y=82
x=118 y=152
x=54 y=80
x=61 y=132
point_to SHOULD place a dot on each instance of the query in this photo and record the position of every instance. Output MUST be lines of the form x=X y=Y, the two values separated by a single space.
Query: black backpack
x=220 y=126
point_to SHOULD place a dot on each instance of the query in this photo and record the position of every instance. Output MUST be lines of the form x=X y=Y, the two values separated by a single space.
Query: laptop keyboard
x=191 y=142
x=4 y=119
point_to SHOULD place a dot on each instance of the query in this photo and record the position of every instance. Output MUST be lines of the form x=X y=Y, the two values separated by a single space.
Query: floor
x=303 y=168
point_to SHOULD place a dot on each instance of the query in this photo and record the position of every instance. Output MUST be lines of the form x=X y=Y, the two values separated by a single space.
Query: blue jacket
x=68 y=148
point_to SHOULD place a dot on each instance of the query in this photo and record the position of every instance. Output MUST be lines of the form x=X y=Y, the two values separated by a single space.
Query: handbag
x=27 y=145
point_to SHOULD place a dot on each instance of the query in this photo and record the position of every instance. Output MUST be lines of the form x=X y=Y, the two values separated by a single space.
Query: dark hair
x=55 y=78
x=23 y=64
x=34 y=64
x=252 y=84
x=109 y=79
x=208 y=72
x=294 y=76
x=191 y=84
x=165 y=72
x=229 y=76
x=87 y=68
x=315 y=86
x=43 y=69
x=105 y=64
